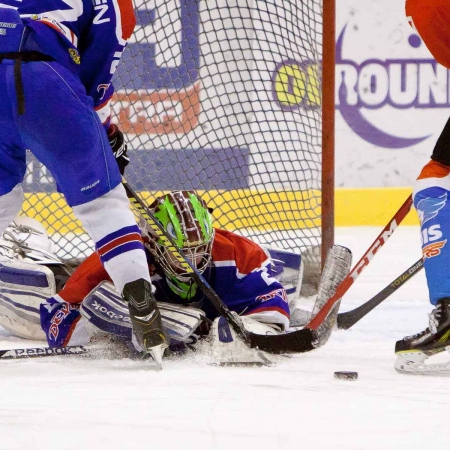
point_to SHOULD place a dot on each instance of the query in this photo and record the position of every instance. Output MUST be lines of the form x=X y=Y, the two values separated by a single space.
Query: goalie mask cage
x=226 y=98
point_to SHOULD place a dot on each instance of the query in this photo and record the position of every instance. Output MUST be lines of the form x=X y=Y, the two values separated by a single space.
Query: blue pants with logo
x=433 y=207
x=61 y=129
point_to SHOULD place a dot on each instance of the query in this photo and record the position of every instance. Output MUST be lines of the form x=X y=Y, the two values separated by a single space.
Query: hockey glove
x=119 y=147
x=59 y=320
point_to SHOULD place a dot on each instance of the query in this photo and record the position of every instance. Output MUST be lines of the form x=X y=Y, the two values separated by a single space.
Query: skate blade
x=415 y=363
x=157 y=353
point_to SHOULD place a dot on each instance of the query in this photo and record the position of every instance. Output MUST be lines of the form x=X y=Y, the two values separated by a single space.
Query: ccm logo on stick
x=373 y=250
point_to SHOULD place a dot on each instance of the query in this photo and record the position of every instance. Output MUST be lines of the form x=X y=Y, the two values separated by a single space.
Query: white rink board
x=395 y=103
x=378 y=44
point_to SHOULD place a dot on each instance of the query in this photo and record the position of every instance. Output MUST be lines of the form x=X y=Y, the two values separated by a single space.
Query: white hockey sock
x=10 y=206
x=104 y=219
x=127 y=267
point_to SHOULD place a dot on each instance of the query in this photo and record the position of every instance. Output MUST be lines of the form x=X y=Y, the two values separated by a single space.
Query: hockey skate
x=413 y=351
x=149 y=334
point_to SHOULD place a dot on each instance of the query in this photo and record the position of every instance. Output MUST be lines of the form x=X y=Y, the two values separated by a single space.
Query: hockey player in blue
x=57 y=59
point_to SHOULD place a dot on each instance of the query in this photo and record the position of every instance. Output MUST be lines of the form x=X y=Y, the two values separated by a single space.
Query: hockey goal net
x=223 y=97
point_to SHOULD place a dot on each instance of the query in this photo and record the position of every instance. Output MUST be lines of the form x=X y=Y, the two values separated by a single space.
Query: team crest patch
x=74 y=55
x=428 y=208
x=276 y=293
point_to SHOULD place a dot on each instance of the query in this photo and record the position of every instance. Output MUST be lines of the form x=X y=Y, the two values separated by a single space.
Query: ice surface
x=59 y=403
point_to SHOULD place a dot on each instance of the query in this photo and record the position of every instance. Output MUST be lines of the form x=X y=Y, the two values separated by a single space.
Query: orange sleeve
x=431 y=19
x=433 y=169
x=89 y=274
x=127 y=18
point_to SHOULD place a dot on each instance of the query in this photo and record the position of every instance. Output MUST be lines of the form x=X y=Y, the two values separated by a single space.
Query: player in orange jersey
x=431 y=19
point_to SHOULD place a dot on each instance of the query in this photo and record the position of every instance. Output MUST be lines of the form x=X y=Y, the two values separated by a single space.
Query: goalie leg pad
x=226 y=348
x=20 y=316
x=106 y=309
x=23 y=286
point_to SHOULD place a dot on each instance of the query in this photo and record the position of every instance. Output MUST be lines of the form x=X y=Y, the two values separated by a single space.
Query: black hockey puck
x=346 y=375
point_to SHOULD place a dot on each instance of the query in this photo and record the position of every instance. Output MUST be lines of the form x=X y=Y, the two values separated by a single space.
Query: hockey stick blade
x=300 y=341
x=296 y=342
x=347 y=319
x=387 y=232
x=42 y=352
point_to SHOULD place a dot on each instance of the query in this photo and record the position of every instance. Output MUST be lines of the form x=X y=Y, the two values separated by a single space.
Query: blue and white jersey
x=86 y=36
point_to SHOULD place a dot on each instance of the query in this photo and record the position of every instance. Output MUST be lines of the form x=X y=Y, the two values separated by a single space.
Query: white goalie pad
x=23 y=286
x=25 y=280
x=226 y=348
x=27 y=239
x=105 y=309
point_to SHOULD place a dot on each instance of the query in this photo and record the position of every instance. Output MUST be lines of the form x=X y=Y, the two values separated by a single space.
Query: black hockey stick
x=348 y=319
x=42 y=352
x=296 y=342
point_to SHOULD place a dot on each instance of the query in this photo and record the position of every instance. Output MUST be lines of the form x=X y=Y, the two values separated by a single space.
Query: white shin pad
x=105 y=309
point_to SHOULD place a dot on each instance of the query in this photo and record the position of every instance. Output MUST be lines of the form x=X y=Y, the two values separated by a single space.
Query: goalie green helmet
x=187 y=219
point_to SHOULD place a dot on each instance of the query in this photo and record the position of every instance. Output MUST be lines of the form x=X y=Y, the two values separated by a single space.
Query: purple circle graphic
x=414 y=41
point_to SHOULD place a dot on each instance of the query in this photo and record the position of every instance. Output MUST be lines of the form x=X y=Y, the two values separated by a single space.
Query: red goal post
x=328 y=124
x=233 y=99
